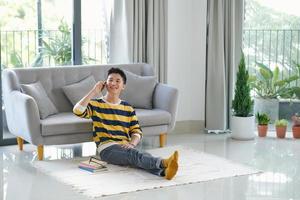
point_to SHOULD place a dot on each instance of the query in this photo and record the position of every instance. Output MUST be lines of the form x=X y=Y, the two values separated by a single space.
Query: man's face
x=115 y=84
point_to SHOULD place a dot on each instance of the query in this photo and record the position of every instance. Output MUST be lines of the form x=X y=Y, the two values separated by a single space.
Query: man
x=116 y=130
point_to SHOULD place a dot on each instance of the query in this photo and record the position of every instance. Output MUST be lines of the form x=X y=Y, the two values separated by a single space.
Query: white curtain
x=225 y=19
x=118 y=37
x=139 y=33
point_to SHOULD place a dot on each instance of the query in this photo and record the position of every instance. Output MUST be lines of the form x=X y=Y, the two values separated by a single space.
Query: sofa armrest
x=25 y=117
x=166 y=98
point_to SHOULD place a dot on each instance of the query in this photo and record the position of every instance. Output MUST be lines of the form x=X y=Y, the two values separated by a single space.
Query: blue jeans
x=118 y=155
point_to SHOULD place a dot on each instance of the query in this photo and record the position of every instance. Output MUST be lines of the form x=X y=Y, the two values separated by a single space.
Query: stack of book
x=93 y=165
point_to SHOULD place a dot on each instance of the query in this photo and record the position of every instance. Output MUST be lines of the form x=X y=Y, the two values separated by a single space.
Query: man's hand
x=99 y=86
x=133 y=142
x=128 y=145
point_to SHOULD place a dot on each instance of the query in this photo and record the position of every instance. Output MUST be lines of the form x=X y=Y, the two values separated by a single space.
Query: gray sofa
x=24 y=119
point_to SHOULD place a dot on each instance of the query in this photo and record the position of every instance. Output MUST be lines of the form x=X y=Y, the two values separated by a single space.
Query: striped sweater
x=111 y=122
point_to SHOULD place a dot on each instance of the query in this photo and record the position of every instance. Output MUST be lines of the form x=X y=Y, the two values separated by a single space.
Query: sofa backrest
x=54 y=78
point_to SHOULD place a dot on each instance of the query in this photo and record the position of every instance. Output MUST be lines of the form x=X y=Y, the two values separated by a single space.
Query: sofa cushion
x=152 y=117
x=37 y=91
x=68 y=123
x=139 y=90
x=76 y=91
x=65 y=123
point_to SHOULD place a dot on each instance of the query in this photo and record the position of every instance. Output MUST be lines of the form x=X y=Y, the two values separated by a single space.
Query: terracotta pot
x=280 y=131
x=262 y=130
x=296 y=131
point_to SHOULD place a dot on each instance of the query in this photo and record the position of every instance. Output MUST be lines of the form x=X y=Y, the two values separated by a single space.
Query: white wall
x=186 y=55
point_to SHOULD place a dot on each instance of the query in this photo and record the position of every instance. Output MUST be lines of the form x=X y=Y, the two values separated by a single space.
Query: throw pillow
x=139 y=90
x=78 y=90
x=37 y=91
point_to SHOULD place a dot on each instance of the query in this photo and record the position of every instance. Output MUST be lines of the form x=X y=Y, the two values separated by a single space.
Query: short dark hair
x=115 y=70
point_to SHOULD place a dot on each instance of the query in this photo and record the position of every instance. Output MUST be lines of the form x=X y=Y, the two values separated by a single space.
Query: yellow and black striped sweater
x=111 y=122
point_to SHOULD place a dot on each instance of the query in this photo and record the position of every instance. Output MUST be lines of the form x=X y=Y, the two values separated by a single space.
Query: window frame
x=76 y=60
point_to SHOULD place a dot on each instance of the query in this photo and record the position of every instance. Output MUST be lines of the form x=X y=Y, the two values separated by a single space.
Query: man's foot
x=166 y=162
x=171 y=170
x=171 y=165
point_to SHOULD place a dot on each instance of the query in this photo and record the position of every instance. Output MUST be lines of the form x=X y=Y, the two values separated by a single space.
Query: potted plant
x=242 y=121
x=269 y=87
x=58 y=46
x=281 y=127
x=263 y=121
x=296 y=125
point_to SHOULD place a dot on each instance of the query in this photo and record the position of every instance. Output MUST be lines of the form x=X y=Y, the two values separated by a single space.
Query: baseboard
x=189 y=126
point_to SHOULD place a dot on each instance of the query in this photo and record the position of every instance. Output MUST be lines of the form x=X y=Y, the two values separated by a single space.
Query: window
x=39 y=33
x=271 y=39
x=95 y=30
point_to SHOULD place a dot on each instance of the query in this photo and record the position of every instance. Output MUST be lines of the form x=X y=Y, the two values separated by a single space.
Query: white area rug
x=194 y=167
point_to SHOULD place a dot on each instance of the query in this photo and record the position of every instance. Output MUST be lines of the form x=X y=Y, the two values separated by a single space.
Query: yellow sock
x=166 y=162
x=171 y=170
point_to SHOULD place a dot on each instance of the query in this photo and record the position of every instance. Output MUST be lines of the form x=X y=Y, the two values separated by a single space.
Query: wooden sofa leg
x=20 y=142
x=162 y=139
x=40 y=150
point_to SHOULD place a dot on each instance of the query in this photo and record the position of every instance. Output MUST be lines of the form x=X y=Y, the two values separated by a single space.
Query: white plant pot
x=242 y=128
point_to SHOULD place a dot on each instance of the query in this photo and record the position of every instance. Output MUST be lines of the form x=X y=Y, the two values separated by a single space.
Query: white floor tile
x=278 y=158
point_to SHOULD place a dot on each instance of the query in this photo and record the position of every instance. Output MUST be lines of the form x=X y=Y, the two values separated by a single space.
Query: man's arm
x=94 y=92
x=81 y=107
x=135 y=132
x=135 y=139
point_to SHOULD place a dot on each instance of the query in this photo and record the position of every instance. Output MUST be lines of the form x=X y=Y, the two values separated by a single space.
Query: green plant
x=59 y=47
x=262 y=119
x=281 y=122
x=268 y=85
x=16 y=60
x=242 y=103
x=297 y=89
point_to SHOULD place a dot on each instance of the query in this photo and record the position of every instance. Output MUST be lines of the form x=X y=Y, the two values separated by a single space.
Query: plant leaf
x=16 y=60
x=266 y=72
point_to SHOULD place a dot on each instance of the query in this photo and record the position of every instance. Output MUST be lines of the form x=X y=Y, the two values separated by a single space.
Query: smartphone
x=104 y=86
